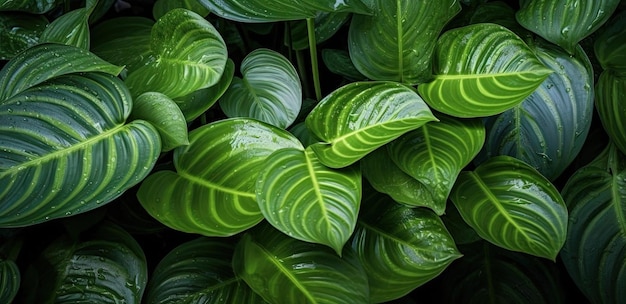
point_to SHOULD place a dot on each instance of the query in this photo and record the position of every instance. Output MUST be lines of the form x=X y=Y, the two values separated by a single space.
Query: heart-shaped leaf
x=548 y=129
x=610 y=45
x=397 y=42
x=166 y=117
x=511 y=205
x=270 y=90
x=212 y=191
x=294 y=186
x=9 y=280
x=362 y=116
x=610 y=94
x=481 y=70
x=564 y=22
x=595 y=248
x=199 y=271
x=400 y=248
x=65 y=148
x=284 y=270
x=19 y=31
x=30 y=6
x=71 y=28
x=436 y=153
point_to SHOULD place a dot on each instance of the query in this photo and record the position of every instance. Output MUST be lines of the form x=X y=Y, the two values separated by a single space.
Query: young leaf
x=270 y=90
x=610 y=45
x=481 y=70
x=165 y=116
x=397 y=42
x=362 y=116
x=71 y=28
x=307 y=200
x=18 y=32
x=511 y=205
x=610 y=94
x=212 y=191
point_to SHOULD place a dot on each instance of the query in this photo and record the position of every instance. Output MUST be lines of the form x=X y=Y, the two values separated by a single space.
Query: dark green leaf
x=326 y=25
x=161 y=7
x=610 y=45
x=30 y=6
x=9 y=280
x=303 y=134
x=71 y=28
x=610 y=96
x=19 y=31
x=165 y=116
x=338 y=62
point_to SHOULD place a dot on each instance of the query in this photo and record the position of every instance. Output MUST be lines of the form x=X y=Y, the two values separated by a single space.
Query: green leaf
x=212 y=191
x=71 y=28
x=270 y=90
x=564 y=22
x=610 y=94
x=186 y=54
x=303 y=134
x=362 y=116
x=481 y=70
x=19 y=31
x=338 y=62
x=161 y=7
x=326 y=25
x=199 y=271
x=9 y=280
x=397 y=42
x=497 y=12
x=511 y=205
x=66 y=149
x=295 y=186
x=123 y=41
x=594 y=251
x=45 y=61
x=610 y=47
x=401 y=248
x=165 y=116
x=549 y=128
x=436 y=153
x=29 y=6
x=284 y=270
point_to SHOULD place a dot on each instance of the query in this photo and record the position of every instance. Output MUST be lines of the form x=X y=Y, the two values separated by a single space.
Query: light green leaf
x=9 y=280
x=270 y=90
x=29 y=6
x=326 y=25
x=610 y=45
x=511 y=205
x=362 y=116
x=284 y=270
x=610 y=96
x=165 y=116
x=397 y=42
x=161 y=7
x=481 y=70
x=212 y=191
x=19 y=31
x=71 y=28
x=564 y=22
x=66 y=149
x=294 y=186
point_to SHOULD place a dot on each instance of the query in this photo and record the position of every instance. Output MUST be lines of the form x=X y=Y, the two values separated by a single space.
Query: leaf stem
x=303 y=74
x=310 y=25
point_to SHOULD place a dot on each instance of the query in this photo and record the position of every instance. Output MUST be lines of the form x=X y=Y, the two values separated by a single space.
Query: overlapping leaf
x=30 y=6
x=326 y=24
x=71 y=28
x=285 y=270
x=338 y=62
x=610 y=45
x=400 y=248
x=123 y=41
x=212 y=191
x=9 y=280
x=565 y=22
x=161 y=7
x=166 y=117
x=610 y=94
x=362 y=116
x=307 y=200
x=66 y=149
x=397 y=42
x=481 y=70
x=511 y=205
x=19 y=31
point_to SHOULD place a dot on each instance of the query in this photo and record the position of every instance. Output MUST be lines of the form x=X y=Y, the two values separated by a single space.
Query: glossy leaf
x=123 y=41
x=610 y=45
x=199 y=271
x=326 y=25
x=161 y=7
x=362 y=116
x=294 y=185
x=610 y=94
x=284 y=270
x=165 y=116
x=511 y=205
x=564 y=22
x=397 y=42
x=400 y=248
x=186 y=54
x=481 y=70
x=548 y=129
x=595 y=248
x=19 y=31
x=9 y=280
x=270 y=90
x=212 y=191
x=66 y=149
x=436 y=153
x=30 y=6
x=71 y=28
x=338 y=62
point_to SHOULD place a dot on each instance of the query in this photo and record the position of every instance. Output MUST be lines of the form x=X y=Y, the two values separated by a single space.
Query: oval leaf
x=511 y=205
x=610 y=96
x=481 y=70
x=270 y=90
x=295 y=186
x=212 y=191
x=165 y=115
x=610 y=45
x=18 y=32
x=362 y=116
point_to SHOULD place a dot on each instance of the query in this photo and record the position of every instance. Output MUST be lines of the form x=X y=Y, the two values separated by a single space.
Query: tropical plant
x=200 y=151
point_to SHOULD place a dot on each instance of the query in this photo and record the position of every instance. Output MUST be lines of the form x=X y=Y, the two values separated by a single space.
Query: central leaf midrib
x=394 y=238
x=400 y=40
x=318 y=192
x=210 y=185
x=474 y=76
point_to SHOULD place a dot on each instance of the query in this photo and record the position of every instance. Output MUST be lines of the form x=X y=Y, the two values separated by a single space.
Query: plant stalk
x=310 y=25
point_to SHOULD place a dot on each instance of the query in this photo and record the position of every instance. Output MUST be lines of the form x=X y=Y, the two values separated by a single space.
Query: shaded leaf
x=165 y=116
x=18 y=32
x=610 y=45
x=71 y=28
x=338 y=62
x=326 y=25
x=161 y=7
x=610 y=94
x=30 y=6
x=9 y=280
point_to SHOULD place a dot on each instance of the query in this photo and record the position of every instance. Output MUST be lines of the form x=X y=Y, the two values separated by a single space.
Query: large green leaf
x=610 y=45
x=481 y=70
x=397 y=42
x=9 y=280
x=436 y=153
x=212 y=191
x=511 y=205
x=71 y=28
x=362 y=116
x=294 y=186
x=65 y=148
x=548 y=129
x=595 y=249
x=199 y=271
x=19 y=31
x=30 y=6
x=610 y=96
x=400 y=248
x=270 y=90
x=564 y=22
x=186 y=54
x=285 y=270
x=165 y=116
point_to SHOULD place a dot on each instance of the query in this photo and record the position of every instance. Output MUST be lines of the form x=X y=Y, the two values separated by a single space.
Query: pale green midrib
x=255 y=96
x=541 y=72
x=400 y=40
x=208 y=184
x=318 y=193
x=429 y=149
x=385 y=123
